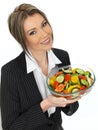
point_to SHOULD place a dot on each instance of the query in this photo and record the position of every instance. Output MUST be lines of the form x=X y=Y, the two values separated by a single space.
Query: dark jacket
x=20 y=98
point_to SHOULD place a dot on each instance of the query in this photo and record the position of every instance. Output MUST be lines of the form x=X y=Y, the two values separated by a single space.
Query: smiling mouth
x=46 y=41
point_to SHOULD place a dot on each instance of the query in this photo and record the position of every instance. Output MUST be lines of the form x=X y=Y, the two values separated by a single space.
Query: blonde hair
x=16 y=20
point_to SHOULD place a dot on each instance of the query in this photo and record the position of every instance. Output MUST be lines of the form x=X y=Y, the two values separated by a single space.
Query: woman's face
x=38 y=33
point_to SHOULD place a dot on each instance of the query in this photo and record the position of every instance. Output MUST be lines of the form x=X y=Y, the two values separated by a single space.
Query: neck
x=40 y=57
x=42 y=60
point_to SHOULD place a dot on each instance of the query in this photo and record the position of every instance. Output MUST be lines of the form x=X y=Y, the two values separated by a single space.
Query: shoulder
x=12 y=65
x=63 y=55
x=59 y=51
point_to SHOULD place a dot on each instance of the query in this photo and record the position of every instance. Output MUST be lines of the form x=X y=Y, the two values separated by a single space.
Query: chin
x=49 y=48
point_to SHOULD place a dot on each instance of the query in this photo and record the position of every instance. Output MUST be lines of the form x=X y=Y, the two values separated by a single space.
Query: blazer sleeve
x=71 y=108
x=11 y=115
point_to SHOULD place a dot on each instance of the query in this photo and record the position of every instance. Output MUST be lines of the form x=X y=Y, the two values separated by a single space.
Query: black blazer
x=20 y=98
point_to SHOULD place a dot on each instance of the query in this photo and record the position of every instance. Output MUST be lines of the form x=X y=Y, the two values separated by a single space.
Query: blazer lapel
x=28 y=81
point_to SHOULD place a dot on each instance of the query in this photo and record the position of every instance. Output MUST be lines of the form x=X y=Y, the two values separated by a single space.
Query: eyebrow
x=32 y=29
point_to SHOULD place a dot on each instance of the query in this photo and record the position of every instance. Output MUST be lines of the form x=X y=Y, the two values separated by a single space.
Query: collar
x=31 y=63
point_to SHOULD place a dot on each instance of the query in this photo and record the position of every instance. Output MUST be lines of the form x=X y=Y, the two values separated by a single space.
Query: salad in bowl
x=70 y=81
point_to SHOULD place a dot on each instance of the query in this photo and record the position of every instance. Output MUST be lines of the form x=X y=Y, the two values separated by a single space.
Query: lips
x=46 y=41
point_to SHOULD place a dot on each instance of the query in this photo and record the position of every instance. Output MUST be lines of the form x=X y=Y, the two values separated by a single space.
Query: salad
x=67 y=81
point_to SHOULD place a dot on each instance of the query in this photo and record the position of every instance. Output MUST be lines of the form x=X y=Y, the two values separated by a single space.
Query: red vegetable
x=82 y=87
x=82 y=77
x=55 y=85
x=67 y=77
x=60 y=88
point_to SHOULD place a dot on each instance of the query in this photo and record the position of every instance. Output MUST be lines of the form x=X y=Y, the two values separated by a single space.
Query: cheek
x=51 y=34
x=32 y=42
x=50 y=30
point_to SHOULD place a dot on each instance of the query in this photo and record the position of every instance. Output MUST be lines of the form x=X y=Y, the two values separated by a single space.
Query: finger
x=73 y=100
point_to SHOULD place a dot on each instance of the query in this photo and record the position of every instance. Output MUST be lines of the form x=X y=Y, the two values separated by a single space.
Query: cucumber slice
x=80 y=71
x=75 y=90
x=67 y=86
x=87 y=73
x=84 y=82
x=60 y=78
x=68 y=71
x=90 y=81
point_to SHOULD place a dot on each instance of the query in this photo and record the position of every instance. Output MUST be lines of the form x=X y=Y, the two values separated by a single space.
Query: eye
x=44 y=23
x=32 y=33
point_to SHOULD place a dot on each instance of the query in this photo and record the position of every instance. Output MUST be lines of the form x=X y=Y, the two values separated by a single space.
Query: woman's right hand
x=52 y=101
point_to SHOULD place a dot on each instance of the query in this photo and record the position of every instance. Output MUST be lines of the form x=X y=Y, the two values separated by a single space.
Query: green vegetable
x=84 y=82
x=67 y=71
x=67 y=85
x=75 y=90
x=90 y=80
x=60 y=78
x=87 y=73
x=80 y=71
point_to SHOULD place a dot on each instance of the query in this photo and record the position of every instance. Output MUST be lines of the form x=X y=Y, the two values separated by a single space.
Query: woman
x=26 y=103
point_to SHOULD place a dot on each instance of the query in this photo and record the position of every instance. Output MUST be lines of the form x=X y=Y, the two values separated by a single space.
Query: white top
x=39 y=76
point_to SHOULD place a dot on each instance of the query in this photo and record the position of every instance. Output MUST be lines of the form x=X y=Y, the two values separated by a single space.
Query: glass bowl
x=70 y=81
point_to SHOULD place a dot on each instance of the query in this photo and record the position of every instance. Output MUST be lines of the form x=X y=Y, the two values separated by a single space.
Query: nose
x=42 y=33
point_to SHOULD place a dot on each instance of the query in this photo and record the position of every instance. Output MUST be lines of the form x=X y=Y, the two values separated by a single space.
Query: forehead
x=33 y=21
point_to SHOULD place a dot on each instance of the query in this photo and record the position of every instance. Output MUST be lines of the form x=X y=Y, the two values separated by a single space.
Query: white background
x=75 y=26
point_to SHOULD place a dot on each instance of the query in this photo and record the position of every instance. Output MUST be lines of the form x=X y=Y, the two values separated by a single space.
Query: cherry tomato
x=55 y=85
x=67 y=77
